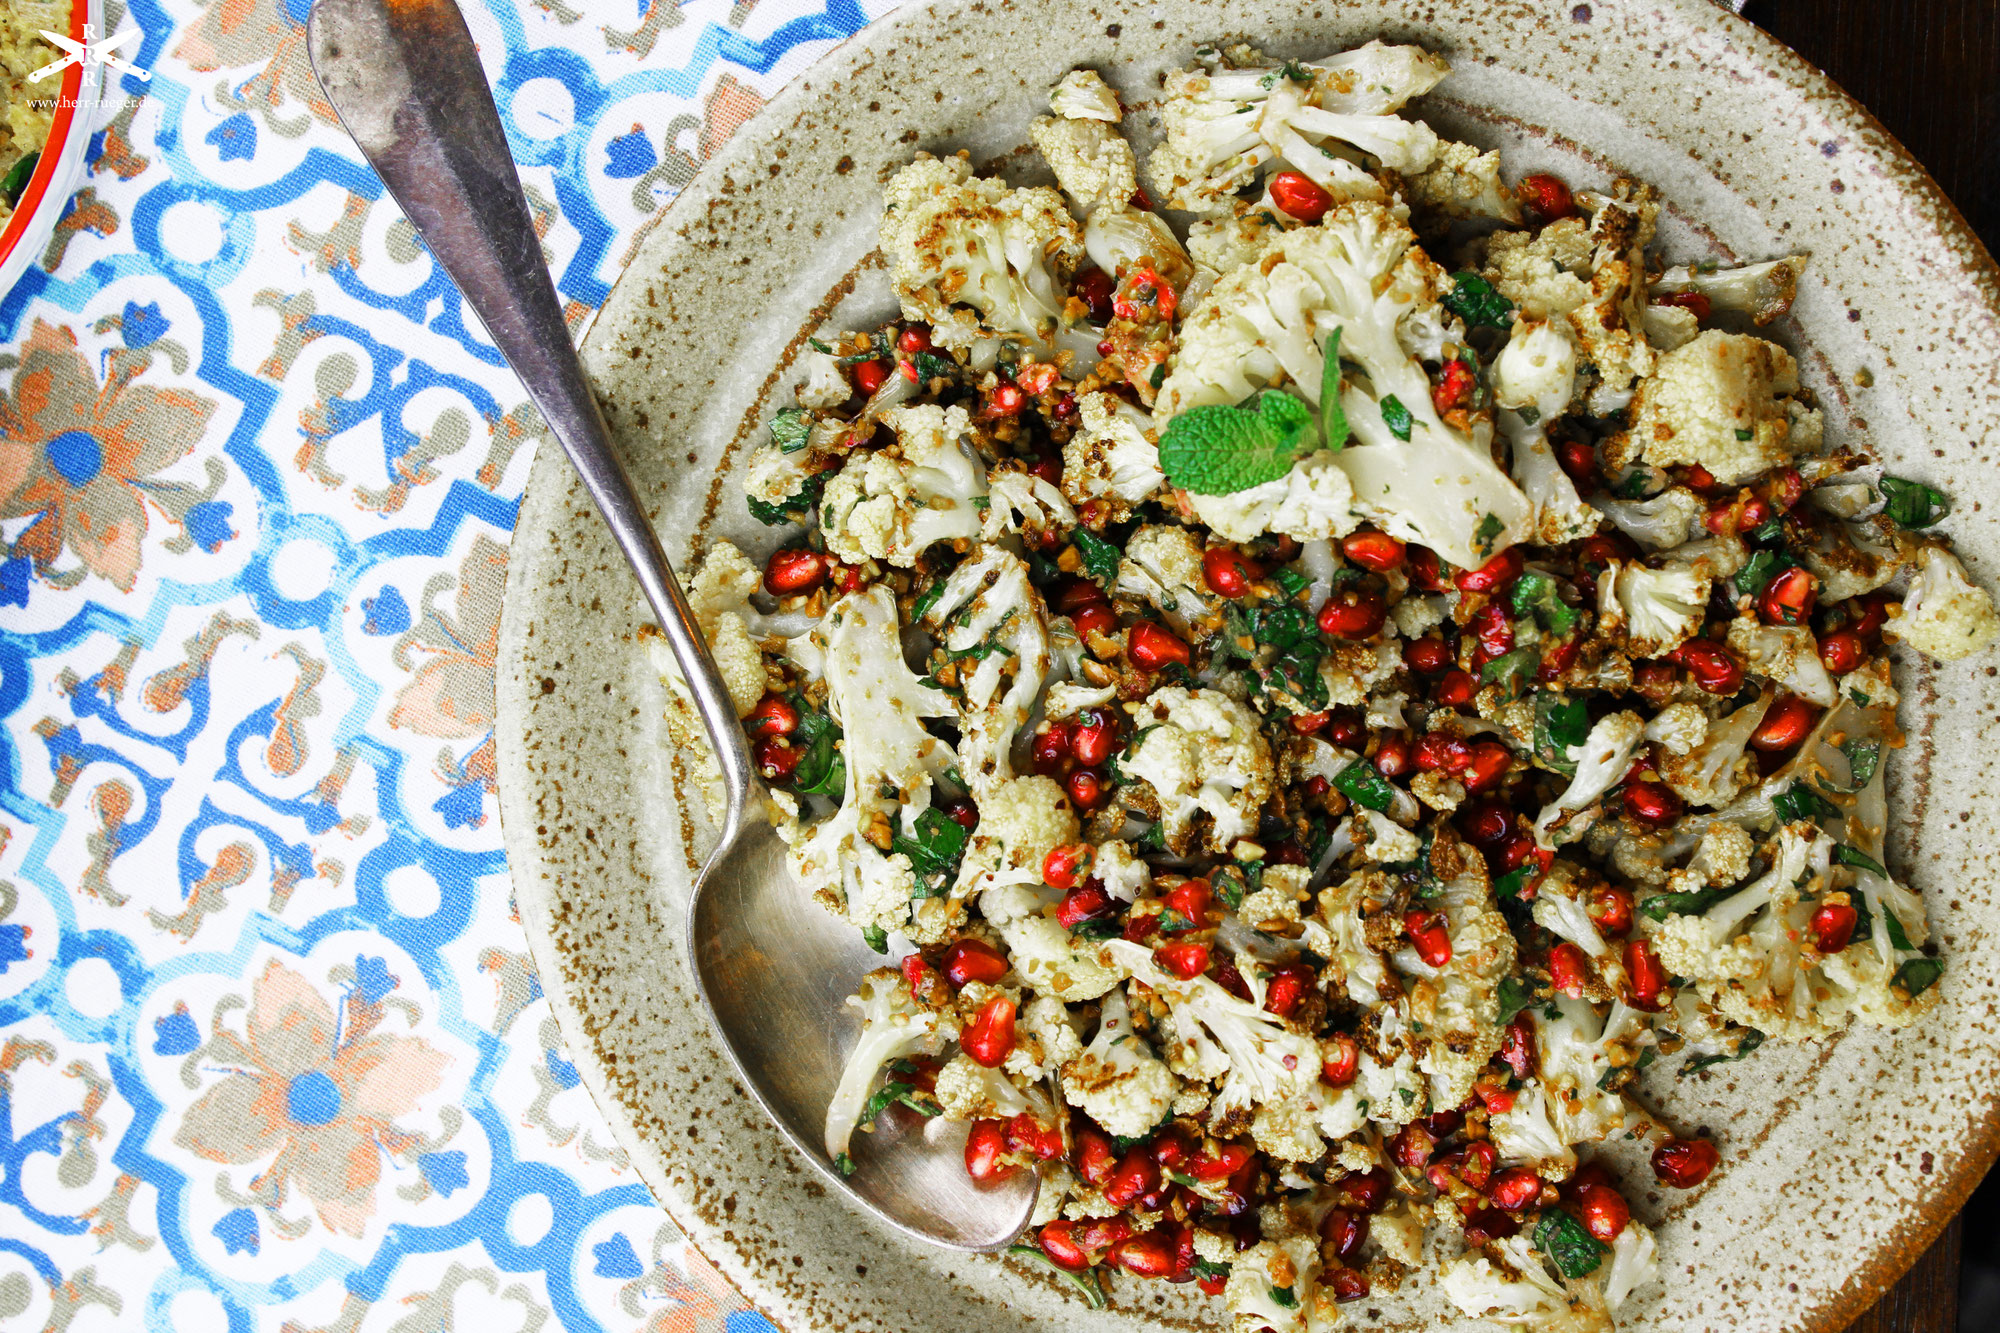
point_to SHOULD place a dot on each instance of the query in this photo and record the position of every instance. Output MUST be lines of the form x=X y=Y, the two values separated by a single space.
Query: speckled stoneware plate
x=1840 y=1162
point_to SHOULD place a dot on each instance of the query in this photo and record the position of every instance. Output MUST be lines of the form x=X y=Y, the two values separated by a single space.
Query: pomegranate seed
x=1082 y=903
x=1007 y=400
x=1442 y=1124
x=1072 y=594
x=1454 y=386
x=1092 y=737
x=1349 y=727
x=1411 y=1148
x=868 y=376
x=1227 y=571
x=1841 y=651
x=1786 y=726
x=1578 y=458
x=1517 y=1046
x=1558 y=660
x=914 y=339
x=773 y=716
x=984 y=1147
x=1287 y=987
x=961 y=811
x=1065 y=867
x=1604 y=1210
x=908 y=370
x=1101 y=1233
x=846 y=578
x=1456 y=689
x=1152 y=647
x=1569 y=970
x=1440 y=752
x=1228 y=1160
x=1191 y=899
x=1474 y=1163
x=1299 y=196
x=1135 y=1176
x=1485 y=823
x=1186 y=961
x=1342 y=1062
x=1832 y=927
x=1170 y=1149
x=1610 y=910
x=1305 y=724
x=918 y=977
x=1652 y=802
x=1145 y=1255
x=1489 y=1224
x=1489 y=765
x=1495 y=574
x=1093 y=1154
x=1050 y=750
x=1097 y=619
x=1349 y=1284
x=1344 y=1230
x=1685 y=1163
x=1427 y=656
x=967 y=961
x=1493 y=631
x=1029 y=1135
x=1212 y=1286
x=1645 y=976
x=1497 y=1101
x=990 y=1035
x=1367 y=1191
x=1693 y=302
x=1059 y=1243
x=1597 y=553
x=1093 y=286
x=1698 y=479
x=1786 y=487
x=1788 y=598
x=1545 y=197
x=1515 y=1188
x=1048 y=467
x=1373 y=550
x=1429 y=934
x=1711 y=666
x=1392 y=758
x=1874 y=612
x=1086 y=789
x=1351 y=613
x=1590 y=1173
x=794 y=570
x=776 y=759
x=1427 y=571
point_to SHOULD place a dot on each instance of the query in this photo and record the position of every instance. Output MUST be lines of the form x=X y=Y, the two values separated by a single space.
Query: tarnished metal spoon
x=771 y=966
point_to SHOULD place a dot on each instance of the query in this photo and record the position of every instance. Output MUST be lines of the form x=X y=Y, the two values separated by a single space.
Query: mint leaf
x=1860 y=860
x=1361 y=784
x=875 y=938
x=1290 y=420
x=1332 y=417
x=1559 y=725
x=1759 y=570
x=1898 y=937
x=1750 y=1041
x=1100 y=557
x=1575 y=1252
x=1086 y=1283
x=1663 y=905
x=1800 y=801
x=1918 y=975
x=1537 y=595
x=936 y=848
x=1396 y=417
x=1911 y=504
x=791 y=508
x=1474 y=300
x=1218 y=450
x=790 y=429
x=1515 y=995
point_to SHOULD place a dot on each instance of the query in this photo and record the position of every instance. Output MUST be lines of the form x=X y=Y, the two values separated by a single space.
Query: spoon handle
x=405 y=78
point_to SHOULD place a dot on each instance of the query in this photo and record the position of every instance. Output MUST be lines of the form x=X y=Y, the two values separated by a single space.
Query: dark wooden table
x=1928 y=70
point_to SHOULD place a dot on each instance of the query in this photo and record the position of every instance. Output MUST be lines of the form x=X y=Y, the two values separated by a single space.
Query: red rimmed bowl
x=25 y=234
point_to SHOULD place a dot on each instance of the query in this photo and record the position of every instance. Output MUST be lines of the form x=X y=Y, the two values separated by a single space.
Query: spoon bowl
x=772 y=968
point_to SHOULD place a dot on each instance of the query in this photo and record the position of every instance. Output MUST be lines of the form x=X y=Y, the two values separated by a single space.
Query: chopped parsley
x=1488 y=531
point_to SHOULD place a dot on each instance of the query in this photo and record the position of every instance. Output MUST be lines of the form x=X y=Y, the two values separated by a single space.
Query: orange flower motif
x=451 y=694
x=81 y=457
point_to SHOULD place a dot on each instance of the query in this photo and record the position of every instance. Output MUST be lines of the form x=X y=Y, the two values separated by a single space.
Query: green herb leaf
x=1332 y=417
x=1100 y=557
x=1911 y=504
x=889 y=1094
x=1743 y=434
x=789 y=509
x=1660 y=906
x=1296 y=672
x=1749 y=1042
x=940 y=841
x=1474 y=300
x=790 y=429
x=1575 y=1252
x=1515 y=995
x=1510 y=884
x=931 y=366
x=1863 y=758
x=1918 y=975
x=876 y=938
x=1854 y=856
x=1396 y=417
x=1539 y=595
x=1361 y=784
x=1800 y=801
x=1221 y=450
x=1283 y=1296
x=1560 y=724
x=1488 y=532
x=1203 y=1268
x=1281 y=625
x=1898 y=937
x=818 y=346
x=15 y=183
x=1760 y=569
x=1529 y=415
x=823 y=770
x=1086 y=1282
x=1229 y=884
x=1632 y=486
x=1510 y=666
x=1159 y=375
x=1292 y=581
x=1769 y=532
x=844 y=1164
x=922 y=606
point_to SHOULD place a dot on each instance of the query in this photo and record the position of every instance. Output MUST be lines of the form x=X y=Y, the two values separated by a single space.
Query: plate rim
x=1899 y=1247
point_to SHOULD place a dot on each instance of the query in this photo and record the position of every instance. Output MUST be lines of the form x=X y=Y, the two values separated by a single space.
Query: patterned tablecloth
x=274 y=1053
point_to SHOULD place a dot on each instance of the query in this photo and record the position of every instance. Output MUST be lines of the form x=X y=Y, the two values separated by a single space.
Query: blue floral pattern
x=274 y=1053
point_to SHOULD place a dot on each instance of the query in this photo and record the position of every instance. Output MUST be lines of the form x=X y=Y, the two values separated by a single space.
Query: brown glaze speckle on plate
x=1840 y=1163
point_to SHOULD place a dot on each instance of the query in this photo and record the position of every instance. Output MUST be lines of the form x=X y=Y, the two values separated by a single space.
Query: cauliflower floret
x=1019 y=501
x=954 y=242
x=1417 y=616
x=1082 y=94
x=1162 y=566
x=719 y=596
x=1560 y=908
x=1122 y=872
x=1117 y=1080
x=1274 y=1285
x=1723 y=401
x=1610 y=326
x=1356 y=965
x=1579 y=1049
x=1382 y=840
x=968 y=1090
x=1944 y=614
x=824 y=386
x=1787 y=654
x=1508 y=1284
x=1723 y=856
x=993 y=629
x=1454 y=1010
x=1667 y=520
x=1541 y=272
x=893 y=1025
x=1670 y=327
x=1312 y=502
x=1680 y=727
x=1021 y=821
x=889 y=504
x=1526 y=1135
x=1537 y=368
x=1223 y=125
x=1461 y=184
x=1764 y=292
x=1111 y=464
x=1092 y=162
x=1634 y=1263
x=1717 y=769
x=1042 y=952
x=1224 y=243
x=1601 y=764
x=1535 y=372
x=1663 y=607
x=1205 y=755
x=1046 y=1036
x=1358 y=272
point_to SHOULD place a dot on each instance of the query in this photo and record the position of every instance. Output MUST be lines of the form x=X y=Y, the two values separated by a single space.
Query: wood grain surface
x=1927 y=69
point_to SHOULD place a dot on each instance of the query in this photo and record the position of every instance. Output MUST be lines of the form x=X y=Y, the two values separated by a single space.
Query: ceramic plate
x=1841 y=1161
x=60 y=170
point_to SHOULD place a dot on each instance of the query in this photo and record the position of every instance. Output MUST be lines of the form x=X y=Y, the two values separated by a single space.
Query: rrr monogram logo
x=91 y=51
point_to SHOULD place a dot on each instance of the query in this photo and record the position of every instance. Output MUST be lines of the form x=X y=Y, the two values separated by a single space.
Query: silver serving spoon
x=772 y=968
